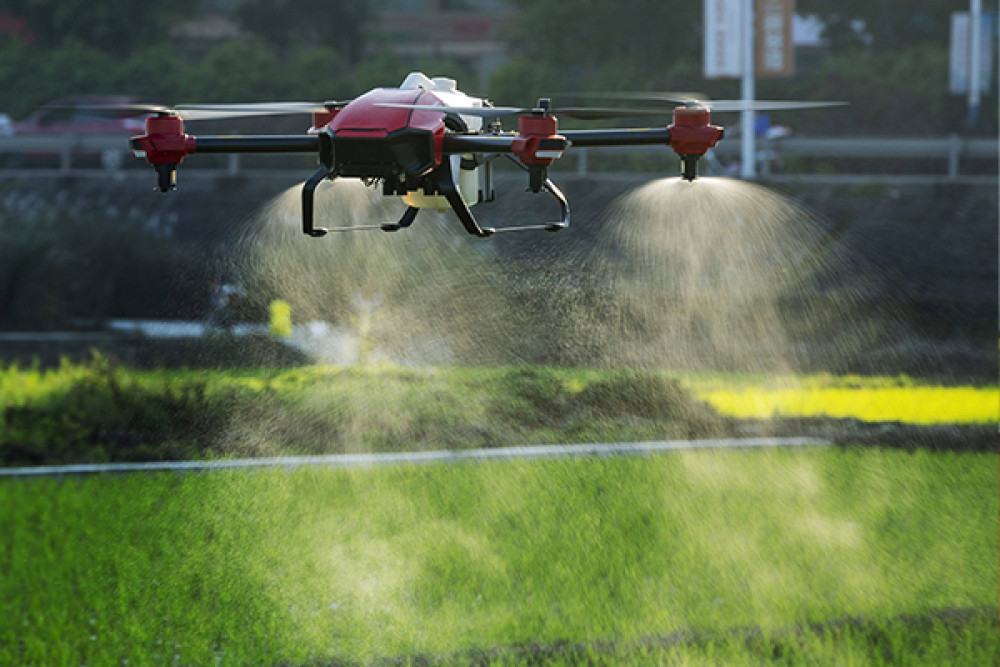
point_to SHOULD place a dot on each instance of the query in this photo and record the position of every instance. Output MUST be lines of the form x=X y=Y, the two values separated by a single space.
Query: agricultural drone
x=430 y=144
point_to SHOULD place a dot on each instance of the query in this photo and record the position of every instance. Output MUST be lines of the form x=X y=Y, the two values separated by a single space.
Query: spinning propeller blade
x=696 y=100
x=266 y=108
x=766 y=105
x=582 y=113
x=222 y=111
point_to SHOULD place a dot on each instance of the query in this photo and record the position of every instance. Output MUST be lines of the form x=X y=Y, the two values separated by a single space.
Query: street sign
x=774 y=54
x=723 y=38
x=960 y=66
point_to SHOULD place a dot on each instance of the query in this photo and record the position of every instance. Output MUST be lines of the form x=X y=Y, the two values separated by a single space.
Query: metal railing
x=950 y=150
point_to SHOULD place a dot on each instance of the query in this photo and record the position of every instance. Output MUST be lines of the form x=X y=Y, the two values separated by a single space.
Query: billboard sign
x=774 y=53
x=723 y=38
x=960 y=65
x=773 y=50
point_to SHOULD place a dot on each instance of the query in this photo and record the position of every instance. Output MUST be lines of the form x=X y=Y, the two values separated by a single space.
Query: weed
x=648 y=396
x=531 y=396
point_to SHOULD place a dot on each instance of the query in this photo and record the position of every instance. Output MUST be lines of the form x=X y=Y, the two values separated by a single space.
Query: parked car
x=84 y=115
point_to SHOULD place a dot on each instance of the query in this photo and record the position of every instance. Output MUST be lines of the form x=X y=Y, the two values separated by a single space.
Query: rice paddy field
x=836 y=555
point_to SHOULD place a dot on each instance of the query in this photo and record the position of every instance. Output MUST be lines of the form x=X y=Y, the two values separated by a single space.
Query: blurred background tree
x=888 y=58
x=115 y=27
x=598 y=45
x=883 y=26
x=289 y=24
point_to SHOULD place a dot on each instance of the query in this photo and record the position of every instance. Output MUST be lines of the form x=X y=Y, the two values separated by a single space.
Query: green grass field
x=815 y=557
x=831 y=556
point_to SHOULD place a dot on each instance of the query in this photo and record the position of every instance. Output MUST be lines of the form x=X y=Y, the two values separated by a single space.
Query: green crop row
x=105 y=412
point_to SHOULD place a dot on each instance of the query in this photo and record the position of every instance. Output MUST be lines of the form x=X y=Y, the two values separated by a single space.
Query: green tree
x=155 y=74
x=579 y=38
x=888 y=24
x=902 y=92
x=30 y=76
x=112 y=26
x=238 y=71
x=287 y=24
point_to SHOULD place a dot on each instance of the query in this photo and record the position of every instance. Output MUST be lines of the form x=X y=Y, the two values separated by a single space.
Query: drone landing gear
x=326 y=171
x=405 y=221
x=538 y=181
x=449 y=188
x=447 y=185
x=308 y=199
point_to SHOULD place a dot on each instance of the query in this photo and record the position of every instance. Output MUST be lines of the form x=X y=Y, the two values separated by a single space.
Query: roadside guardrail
x=951 y=150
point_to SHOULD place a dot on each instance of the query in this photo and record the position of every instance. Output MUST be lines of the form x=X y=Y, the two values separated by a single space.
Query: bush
x=107 y=414
x=530 y=397
x=538 y=397
x=648 y=396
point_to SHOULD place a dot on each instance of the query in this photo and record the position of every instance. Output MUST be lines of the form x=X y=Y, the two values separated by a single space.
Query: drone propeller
x=582 y=113
x=266 y=108
x=222 y=111
x=695 y=100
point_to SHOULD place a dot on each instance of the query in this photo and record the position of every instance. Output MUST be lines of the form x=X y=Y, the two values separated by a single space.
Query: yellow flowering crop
x=904 y=403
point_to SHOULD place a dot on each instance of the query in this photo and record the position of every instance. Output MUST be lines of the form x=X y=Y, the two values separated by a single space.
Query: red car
x=82 y=116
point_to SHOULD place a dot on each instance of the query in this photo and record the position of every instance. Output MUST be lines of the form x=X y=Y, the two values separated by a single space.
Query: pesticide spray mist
x=714 y=274
x=407 y=295
x=724 y=274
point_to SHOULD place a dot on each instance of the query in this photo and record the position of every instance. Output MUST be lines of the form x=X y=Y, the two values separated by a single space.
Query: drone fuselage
x=402 y=147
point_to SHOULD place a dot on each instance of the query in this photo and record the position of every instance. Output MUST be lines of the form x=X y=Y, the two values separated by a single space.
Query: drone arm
x=690 y=136
x=597 y=138
x=257 y=144
x=455 y=144
x=165 y=145
x=225 y=144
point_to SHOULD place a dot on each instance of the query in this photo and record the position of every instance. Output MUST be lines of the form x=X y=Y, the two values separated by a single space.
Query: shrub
x=648 y=396
x=107 y=414
x=531 y=397
x=538 y=397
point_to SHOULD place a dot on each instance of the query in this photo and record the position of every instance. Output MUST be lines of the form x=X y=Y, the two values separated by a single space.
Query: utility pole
x=748 y=159
x=975 y=47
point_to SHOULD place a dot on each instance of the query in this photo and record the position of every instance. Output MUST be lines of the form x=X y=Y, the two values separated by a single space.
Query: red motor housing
x=164 y=146
x=537 y=146
x=537 y=141
x=692 y=132
x=164 y=141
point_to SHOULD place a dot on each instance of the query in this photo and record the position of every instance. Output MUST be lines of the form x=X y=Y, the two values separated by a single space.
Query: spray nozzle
x=689 y=167
x=166 y=176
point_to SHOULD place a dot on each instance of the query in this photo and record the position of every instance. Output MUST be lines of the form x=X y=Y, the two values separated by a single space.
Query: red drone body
x=373 y=139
